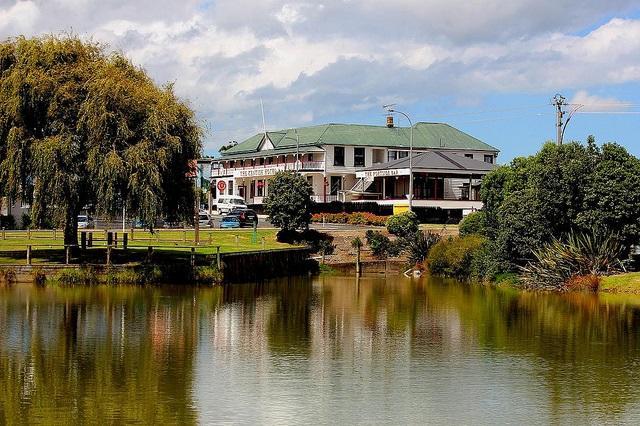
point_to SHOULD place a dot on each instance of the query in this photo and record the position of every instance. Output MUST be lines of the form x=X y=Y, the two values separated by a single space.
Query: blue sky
x=487 y=67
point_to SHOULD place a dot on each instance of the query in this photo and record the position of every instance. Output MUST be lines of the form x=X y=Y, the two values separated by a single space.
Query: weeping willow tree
x=83 y=127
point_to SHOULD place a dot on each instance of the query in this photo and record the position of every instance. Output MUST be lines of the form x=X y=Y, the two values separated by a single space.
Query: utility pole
x=559 y=101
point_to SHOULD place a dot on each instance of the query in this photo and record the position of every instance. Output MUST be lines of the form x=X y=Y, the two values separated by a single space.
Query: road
x=263 y=223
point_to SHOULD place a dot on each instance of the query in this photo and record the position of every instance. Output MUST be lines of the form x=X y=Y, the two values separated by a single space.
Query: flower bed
x=357 y=218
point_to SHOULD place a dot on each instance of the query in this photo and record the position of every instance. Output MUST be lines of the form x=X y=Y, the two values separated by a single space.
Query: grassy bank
x=621 y=283
x=48 y=246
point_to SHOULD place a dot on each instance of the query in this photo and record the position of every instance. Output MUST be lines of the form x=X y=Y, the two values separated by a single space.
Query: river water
x=316 y=351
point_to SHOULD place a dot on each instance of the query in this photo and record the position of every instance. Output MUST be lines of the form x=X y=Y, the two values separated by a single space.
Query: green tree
x=474 y=223
x=289 y=202
x=83 y=127
x=403 y=224
x=572 y=187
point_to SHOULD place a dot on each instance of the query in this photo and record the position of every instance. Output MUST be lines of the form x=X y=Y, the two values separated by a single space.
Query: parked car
x=230 y=221
x=226 y=203
x=170 y=223
x=204 y=219
x=85 y=222
x=246 y=216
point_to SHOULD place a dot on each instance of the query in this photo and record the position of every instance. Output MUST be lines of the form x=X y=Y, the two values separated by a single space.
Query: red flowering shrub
x=358 y=218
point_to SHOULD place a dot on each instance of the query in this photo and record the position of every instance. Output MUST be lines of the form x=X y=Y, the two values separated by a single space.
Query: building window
x=336 y=185
x=310 y=157
x=261 y=161
x=488 y=159
x=392 y=155
x=230 y=187
x=338 y=156
x=260 y=188
x=403 y=154
x=232 y=164
x=358 y=157
x=469 y=155
x=270 y=160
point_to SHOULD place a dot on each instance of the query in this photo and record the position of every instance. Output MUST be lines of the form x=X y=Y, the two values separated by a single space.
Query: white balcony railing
x=323 y=199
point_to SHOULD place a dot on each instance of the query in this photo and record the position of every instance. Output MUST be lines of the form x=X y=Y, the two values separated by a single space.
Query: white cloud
x=591 y=103
x=312 y=60
x=21 y=16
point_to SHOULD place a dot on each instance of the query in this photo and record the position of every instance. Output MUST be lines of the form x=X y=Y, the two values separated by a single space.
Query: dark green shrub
x=473 y=223
x=403 y=224
x=418 y=245
x=325 y=248
x=7 y=222
x=379 y=243
x=452 y=257
x=310 y=237
x=25 y=222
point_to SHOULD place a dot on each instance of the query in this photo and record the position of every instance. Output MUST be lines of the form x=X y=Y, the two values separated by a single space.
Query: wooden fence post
x=90 y=242
x=125 y=240
x=218 y=257
x=28 y=255
x=193 y=257
x=358 y=260
x=149 y=254
x=83 y=240
x=28 y=234
x=132 y=234
x=3 y=236
x=55 y=234
x=108 y=255
x=67 y=250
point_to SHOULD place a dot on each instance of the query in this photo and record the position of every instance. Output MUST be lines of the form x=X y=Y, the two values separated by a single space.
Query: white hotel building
x=350 y=162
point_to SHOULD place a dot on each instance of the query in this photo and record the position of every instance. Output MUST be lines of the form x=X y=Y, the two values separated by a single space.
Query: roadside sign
x=222 y=185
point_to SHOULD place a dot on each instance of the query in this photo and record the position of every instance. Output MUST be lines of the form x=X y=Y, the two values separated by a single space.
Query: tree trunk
x=71 y=229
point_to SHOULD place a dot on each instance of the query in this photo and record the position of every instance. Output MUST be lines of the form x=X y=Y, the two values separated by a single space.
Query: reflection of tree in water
x=584 y=348
x=289 y=322
x=119 y=354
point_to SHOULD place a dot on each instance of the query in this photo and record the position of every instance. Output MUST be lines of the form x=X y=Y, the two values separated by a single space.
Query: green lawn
x=621 y=283
x=48 y=246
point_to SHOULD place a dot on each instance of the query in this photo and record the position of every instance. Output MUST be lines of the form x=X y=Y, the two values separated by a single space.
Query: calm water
x=322 y=350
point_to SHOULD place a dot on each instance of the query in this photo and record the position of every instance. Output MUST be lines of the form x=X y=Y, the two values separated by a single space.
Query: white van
x=226 y=203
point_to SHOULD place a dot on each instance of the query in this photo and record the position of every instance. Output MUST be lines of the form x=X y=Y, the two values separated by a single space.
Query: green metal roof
x=425 y=135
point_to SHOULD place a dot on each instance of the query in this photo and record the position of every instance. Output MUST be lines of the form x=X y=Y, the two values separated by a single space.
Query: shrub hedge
x=453 y=256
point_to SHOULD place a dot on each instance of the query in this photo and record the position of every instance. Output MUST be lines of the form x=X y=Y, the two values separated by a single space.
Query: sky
x=487 y=67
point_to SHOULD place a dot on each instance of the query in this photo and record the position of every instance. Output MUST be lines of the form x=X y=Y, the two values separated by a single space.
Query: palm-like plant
x=583 y=253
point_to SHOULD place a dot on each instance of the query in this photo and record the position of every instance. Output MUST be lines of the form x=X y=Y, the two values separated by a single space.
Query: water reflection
x=324 y=350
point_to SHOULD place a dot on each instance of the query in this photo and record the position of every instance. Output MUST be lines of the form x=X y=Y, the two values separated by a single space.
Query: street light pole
x=390 y=109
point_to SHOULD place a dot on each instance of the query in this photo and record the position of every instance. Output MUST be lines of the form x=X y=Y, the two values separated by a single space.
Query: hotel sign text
x=259 y=171
x=382 y=173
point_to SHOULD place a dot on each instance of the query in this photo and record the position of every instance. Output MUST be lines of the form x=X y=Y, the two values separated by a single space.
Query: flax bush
x=561 y=262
